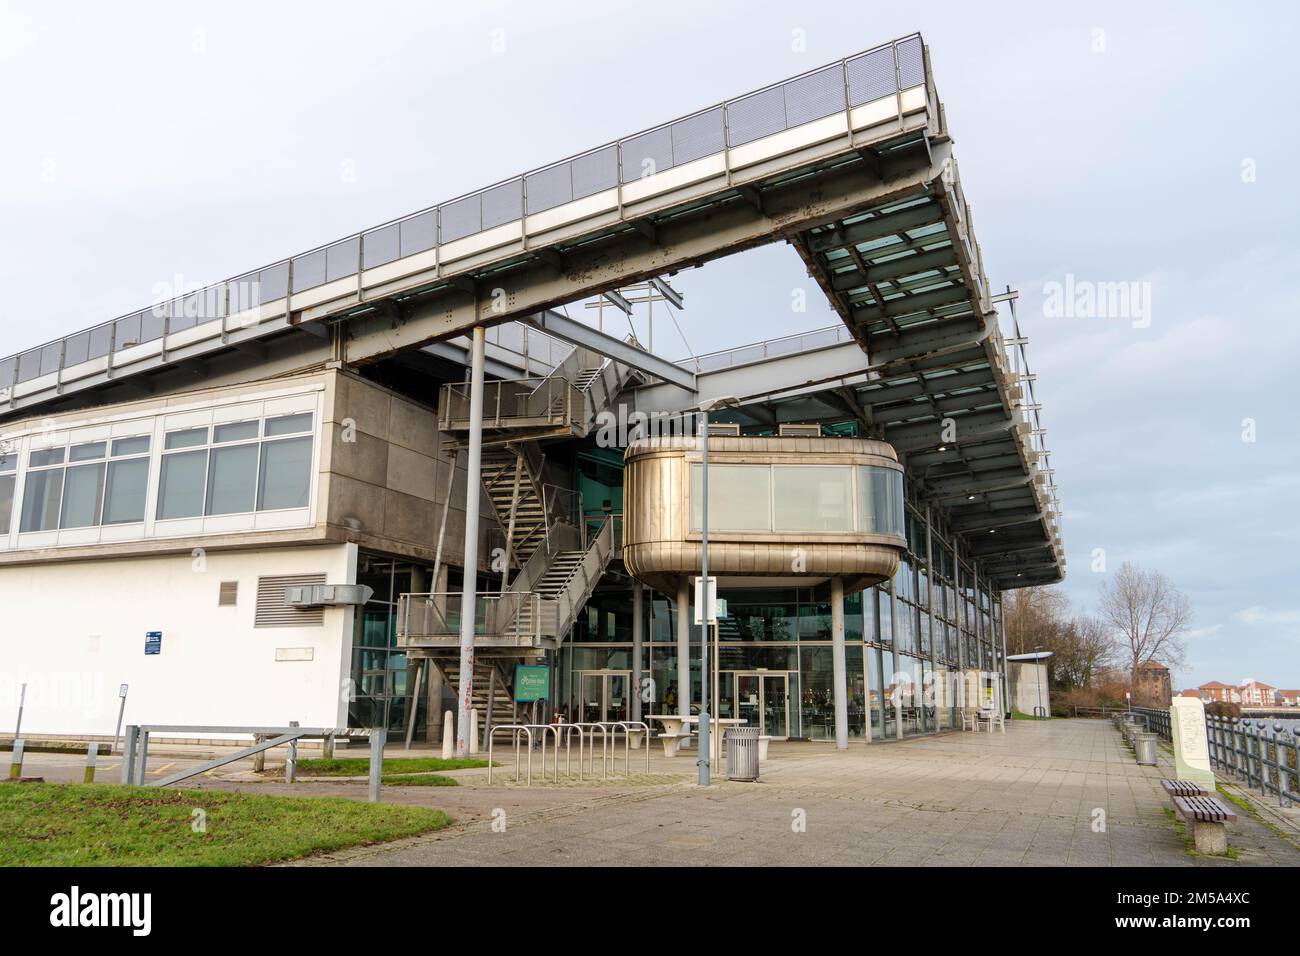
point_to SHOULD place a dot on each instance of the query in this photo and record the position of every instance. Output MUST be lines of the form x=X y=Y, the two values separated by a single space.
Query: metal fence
x=1157 y=721
x=874 y=74
x=1265 y=758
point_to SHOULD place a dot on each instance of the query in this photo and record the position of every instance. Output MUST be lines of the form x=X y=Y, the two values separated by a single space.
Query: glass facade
x=913 y=644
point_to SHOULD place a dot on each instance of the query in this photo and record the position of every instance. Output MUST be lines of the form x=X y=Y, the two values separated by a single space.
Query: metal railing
x=514 y=403
x=1157 y=721
x=768 y=348
x=509 y=618
x=1265 y=758
x=135 y=756
x=875 y=74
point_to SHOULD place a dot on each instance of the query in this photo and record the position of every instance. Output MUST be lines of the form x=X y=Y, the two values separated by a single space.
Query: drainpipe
x=637 y=650
x=469 y=588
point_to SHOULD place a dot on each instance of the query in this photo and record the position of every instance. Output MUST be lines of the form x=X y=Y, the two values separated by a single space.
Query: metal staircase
x=556 y=563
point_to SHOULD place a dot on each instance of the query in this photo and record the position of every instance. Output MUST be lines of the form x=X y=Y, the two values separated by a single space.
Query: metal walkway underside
x=850 y=163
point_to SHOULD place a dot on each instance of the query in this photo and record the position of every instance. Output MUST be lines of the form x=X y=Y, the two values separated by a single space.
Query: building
x=1288 y=698
x=1030 y=688
x=299 y=493
x=1155 y=685
x=1256 y=693
x=1217 y=691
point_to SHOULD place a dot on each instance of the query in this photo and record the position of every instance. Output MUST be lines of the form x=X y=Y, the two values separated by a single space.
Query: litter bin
x=1145 y=749
x=742 y=753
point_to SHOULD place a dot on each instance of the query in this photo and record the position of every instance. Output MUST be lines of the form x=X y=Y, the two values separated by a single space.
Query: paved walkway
x=1045 y=793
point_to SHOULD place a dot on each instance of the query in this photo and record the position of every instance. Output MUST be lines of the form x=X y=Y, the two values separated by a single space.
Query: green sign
x=532 y=682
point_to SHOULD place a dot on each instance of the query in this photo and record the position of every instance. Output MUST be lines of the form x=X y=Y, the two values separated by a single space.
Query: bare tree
x=1149 y=616
x=1034 y=618
x=1083 y=652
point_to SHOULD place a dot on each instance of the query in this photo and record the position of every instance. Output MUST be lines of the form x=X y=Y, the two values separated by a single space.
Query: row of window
x=817 y=498
x=231 y=468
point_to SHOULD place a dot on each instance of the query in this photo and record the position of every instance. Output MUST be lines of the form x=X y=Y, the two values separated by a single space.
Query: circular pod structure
x=782 y=511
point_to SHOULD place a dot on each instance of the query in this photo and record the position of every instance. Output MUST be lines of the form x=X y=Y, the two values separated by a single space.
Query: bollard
x=327 y=748
x=378 y=737
x=16 y=765
x=448 y=735
x=142 y=754
x=291 y=764
x=473 y=730
x=259 y=758
x=92 y=754
x=128 y=755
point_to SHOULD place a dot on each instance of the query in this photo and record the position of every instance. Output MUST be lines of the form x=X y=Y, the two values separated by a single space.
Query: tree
x=1082 y=653
x=1034 y=618
x=1148 y=615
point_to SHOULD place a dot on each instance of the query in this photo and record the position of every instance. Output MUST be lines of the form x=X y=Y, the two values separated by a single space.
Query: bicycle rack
x=604 y=746
x=627 y=726
x=568 y=749
x=516 y=728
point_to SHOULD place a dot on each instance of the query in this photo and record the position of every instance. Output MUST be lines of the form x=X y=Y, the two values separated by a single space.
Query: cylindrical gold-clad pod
x=782 y=511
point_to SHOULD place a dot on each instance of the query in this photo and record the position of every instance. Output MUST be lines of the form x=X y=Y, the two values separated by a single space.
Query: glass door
x=763 y=700
x=776 y=705
x=604 y=695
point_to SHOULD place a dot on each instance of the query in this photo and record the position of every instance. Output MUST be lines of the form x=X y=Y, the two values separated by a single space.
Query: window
x=180 y=486
x=127 y=484
x=8 y=478
x=739 y=497
x=82 y=493
x=799 y=498
x=285 y=477
x=229 y=468
x=124 y=495
x=813 y=497
x=232 y=479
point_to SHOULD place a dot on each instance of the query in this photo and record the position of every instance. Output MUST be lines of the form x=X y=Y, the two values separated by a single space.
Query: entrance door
x=604 y=695
x=763 y=700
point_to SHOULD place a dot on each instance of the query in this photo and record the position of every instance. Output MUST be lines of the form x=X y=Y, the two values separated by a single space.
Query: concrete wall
x=386 y=474
x=75 y=631
x=1027 y=681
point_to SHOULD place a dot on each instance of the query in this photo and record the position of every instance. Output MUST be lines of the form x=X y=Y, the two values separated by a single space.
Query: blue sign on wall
x=153 y=642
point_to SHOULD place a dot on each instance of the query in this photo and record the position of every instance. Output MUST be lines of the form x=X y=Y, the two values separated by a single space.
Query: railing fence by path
x=1157 y=721
x=1265 y=758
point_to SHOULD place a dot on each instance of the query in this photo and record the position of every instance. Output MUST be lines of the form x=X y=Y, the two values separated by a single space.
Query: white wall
x=75 y=631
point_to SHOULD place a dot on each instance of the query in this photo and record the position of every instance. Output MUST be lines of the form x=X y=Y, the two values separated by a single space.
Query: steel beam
x=577 y=333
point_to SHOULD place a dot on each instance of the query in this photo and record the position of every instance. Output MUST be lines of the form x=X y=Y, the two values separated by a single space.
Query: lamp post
x=708 y=610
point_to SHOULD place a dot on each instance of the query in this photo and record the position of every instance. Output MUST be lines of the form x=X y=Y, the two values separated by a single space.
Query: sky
x=1147 y=148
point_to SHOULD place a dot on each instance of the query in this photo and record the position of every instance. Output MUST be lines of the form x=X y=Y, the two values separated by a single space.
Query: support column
x=838 y=666
x=898 y=661
x=469 y=592
x=684 y=647
x=638 y=648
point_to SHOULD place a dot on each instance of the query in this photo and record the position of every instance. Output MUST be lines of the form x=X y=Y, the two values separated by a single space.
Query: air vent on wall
x=273 y=612
x=228 y=594
x=790 y=430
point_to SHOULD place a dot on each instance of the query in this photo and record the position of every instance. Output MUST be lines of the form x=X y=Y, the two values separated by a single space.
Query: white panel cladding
x=215 y=666
x=155 y=423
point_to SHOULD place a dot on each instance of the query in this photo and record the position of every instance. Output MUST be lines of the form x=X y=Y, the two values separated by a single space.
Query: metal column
x=898 y=661
x=468 y=591
x=638 y=648
x=684 y=647
x=838 y=666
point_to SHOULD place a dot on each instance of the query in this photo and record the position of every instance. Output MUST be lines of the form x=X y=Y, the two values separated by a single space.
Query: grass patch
x=360 y=766
x=47 y=824
x=1018 y=715
x=419 y=780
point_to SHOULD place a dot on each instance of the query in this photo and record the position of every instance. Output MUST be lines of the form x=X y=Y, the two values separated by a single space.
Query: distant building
x=1220 y=692
x=1190 y=692
x=1289 y=698
x=1255 y=693
x=1154 y=684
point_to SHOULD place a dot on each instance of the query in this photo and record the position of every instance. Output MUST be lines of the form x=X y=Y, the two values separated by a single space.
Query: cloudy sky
x=1147 y=144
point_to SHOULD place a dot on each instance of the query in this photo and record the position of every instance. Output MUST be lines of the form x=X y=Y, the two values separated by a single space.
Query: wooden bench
x=1184 y=788
x=1207 y=816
